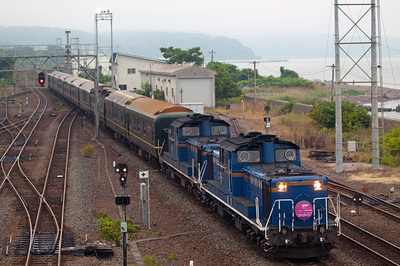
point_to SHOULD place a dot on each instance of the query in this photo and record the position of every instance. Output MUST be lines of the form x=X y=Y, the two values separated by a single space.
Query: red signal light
x=41 y=79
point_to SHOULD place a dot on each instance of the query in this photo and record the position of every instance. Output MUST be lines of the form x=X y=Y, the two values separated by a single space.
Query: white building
x=126 y=70
x=182 y=83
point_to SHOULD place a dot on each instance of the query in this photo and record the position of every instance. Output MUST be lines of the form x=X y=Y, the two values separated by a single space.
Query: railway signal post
x=357 y=198
x=145 y=197
x=122 y=170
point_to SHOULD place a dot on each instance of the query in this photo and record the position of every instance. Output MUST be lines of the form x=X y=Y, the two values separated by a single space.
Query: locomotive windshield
x=285 y=155
x=219 y=130
x=190 y=131
x=249 y=156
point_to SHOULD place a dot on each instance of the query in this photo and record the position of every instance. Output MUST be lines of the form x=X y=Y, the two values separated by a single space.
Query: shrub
x=173 y=256
x=287 y=107
x=148 y=260
x=324 y=114
x=110 y=229
x=88 y=150
x=392 y=147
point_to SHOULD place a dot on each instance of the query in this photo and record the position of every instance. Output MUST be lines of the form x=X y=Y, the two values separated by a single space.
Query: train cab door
x=210 y=167
x=266 y=195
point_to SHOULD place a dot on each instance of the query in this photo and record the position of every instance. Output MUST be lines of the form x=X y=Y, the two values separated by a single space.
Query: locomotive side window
x=190 y=131
x=249 y=156
x=285 y=155
x=219 y=130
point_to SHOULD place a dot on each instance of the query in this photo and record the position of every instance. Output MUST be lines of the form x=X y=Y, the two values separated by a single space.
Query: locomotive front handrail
x=279 y=219
x=316 y=220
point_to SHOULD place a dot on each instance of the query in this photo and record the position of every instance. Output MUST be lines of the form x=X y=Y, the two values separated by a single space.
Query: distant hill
x=143 y=43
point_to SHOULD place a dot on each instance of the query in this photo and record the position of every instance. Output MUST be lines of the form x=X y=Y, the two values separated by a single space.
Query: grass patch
x=352 y=92
x=58 y=108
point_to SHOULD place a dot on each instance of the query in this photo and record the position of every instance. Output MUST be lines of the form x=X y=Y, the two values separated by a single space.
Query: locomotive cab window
x=285 y=155
x=190 y=131
x=219 y=130
x=248 y=156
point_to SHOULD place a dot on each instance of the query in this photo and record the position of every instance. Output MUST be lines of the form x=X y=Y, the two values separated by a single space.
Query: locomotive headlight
x=282 y=187
x=317 y=185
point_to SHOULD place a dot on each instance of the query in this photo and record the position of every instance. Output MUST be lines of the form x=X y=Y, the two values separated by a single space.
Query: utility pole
x=103 y=15
x=255 y=81
x=68 y=50
x=381 y=77
x=96 y=82
x=333 y=80
x=212 y=52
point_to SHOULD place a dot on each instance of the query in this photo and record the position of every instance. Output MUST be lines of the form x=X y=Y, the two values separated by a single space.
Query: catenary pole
x=338 y=96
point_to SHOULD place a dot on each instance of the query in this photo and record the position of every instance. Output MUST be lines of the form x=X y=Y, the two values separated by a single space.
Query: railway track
x=48 y=230
x=385 y=252
x=11 y=167
x=384 y=207
x=38 y=236
x=366 y=237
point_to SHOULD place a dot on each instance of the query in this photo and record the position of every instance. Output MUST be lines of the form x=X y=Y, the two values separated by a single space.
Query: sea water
x=318 y=69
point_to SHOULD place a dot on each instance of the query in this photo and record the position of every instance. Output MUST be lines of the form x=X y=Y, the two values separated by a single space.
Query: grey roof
x=115 y=57
x=170 y=69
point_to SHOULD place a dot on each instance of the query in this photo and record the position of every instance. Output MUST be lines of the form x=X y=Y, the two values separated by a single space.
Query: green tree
x=286 y=73
x=324 y=114
x=225 y=87
x=179 y=56
x=7 y=64
x=159 y=95
x=103 y=79
x=145 y=91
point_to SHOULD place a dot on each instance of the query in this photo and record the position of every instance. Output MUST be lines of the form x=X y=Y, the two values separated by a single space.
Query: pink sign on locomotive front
x=303 y=210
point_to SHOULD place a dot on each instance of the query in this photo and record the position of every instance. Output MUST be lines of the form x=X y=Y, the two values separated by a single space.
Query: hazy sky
x=231 y=18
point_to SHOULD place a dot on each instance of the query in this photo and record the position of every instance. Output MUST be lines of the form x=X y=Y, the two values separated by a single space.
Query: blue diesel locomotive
x=255 y=181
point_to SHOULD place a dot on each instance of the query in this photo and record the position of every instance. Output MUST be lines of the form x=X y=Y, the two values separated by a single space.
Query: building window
x=131 y=70
x=172 y=92
x=166 y=91
x=122 y=87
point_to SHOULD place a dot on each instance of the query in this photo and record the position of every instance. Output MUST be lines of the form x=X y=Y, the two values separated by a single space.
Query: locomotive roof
x=252 y=138
x=194 y=119
x=277 y=170
x=201 y=141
